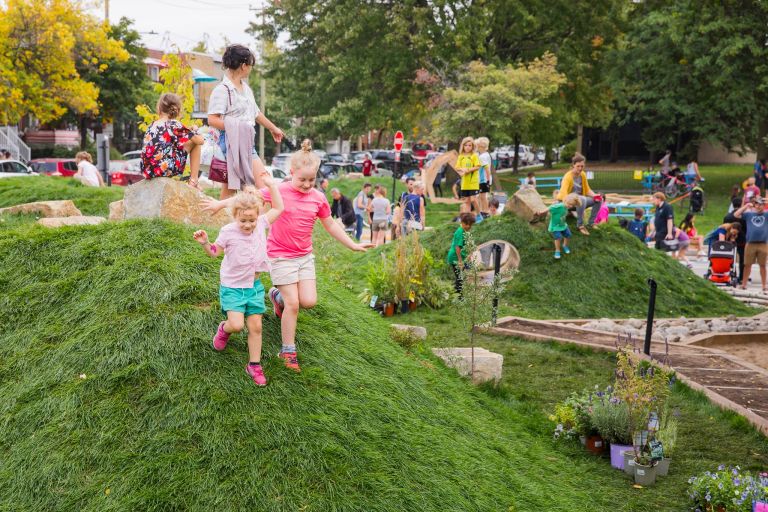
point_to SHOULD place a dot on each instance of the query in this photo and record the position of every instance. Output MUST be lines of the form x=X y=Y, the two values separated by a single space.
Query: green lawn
x=162 y=422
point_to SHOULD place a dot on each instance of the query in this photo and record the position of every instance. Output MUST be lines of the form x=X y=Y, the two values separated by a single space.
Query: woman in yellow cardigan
x=575 y=182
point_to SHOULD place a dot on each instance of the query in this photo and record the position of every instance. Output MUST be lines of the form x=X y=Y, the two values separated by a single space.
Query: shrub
x=404 y=338
x=611 y=420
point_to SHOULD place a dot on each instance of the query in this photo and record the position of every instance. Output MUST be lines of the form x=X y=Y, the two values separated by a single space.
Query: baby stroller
x=722 y=263
x=697 y=200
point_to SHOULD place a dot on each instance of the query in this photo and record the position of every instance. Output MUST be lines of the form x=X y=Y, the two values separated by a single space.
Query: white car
x=130 y=155
x=277 y=173
x=14 y=168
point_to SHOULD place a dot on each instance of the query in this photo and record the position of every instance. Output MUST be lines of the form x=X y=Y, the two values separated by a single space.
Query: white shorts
x=292 y=270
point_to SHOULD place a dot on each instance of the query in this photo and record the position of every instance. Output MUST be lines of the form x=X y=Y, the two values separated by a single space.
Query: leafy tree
x=697 y=71
x=501 y=103
x=45 y=47
x=175 y=78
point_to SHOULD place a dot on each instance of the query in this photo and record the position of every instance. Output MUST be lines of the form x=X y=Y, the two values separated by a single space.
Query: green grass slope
x=90 y=201
x=111 y=398
x=605 y=275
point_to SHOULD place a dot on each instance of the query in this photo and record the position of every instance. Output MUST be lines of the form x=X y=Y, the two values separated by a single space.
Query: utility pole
x=263 y=102
x=106 y=11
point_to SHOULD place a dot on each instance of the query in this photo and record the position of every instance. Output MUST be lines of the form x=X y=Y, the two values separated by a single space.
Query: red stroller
x=722 y=263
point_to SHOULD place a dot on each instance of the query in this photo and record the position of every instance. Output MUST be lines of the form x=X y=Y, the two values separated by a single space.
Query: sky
x=185 y=22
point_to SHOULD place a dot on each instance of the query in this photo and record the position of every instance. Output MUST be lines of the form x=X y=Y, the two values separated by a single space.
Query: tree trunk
x=516 y=159
x=378 y=138
x=83 y=122
x=762 y=144
x=580 y=139
x=614 y=145
x=548 y=157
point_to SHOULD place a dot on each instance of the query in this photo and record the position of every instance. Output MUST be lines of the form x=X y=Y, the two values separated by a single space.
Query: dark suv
x=387 y=157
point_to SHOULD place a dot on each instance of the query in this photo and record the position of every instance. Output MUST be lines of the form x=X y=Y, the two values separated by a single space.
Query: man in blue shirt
x=756 y=250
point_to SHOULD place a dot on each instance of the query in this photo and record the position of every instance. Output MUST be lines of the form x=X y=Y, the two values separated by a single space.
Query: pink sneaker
x=257 y=374
x=276 y=305
x=221 y=338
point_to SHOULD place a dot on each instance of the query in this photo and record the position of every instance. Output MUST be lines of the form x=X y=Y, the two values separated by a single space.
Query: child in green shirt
x=557 y=224
x=457 y=254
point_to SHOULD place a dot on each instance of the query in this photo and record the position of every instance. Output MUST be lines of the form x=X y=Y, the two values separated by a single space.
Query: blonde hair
x=304 y=157
x=660 y=195
x=247 y=200
x=572 y=201
x=169 y=104
x=482 y=142
x=464 y=141
x=83 y=155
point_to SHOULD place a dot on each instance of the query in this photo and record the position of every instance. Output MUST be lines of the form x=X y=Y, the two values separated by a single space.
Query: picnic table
x=553 y=182
x=625 y=209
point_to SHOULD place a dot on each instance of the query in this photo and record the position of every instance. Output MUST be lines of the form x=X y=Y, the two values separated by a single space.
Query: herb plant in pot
x=667 y=436
x=610 y=417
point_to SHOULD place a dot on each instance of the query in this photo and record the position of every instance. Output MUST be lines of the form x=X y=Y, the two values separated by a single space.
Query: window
x=154 y=73
x=5 y=167
x=17 y=167
x=70 y=166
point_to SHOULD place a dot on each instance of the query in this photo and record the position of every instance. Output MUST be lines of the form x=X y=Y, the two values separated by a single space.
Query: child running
x=241 y=293
x=557 y=224
x=289 y=245
x=167 y=143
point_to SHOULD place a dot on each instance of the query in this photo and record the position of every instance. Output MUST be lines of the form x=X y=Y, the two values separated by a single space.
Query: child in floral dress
x=167 y=143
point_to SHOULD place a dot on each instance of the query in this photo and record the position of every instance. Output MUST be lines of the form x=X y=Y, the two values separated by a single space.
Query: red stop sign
x=398 y=140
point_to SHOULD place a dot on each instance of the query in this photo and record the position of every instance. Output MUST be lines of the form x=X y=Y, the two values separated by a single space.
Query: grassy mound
x=605 y=275
x=90 y=200
x=113 y=399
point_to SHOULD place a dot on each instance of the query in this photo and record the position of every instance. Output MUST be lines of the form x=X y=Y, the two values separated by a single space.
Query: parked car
x=124 y=172
x=358 y=155
x=420 y=149
x=14 y=168
x=430 y=157
x=407 y=162
x=277 y=173
x=337 y=157
x=335 y=169
x=378 y=170
x=54 y=166
x=131 y=155
x=282 y=161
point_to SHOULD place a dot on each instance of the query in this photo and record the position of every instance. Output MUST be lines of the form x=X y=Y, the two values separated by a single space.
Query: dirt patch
x=754 y=351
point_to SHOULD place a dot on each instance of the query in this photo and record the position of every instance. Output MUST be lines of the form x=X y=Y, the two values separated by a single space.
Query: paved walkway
x=726 y=379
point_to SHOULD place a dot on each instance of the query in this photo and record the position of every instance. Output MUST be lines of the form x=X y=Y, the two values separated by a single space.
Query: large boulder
x=415 y=330
x=116 y=210
x=169 y=199
x=488 y=365
x=527 y=204
x=64 y=208
x=75 y=220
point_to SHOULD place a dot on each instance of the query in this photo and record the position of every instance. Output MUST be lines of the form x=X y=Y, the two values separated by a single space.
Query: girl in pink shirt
x=241 y=294
x=289 y=245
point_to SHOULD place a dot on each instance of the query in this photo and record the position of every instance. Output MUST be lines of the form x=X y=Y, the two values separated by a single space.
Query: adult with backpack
x=756 y=250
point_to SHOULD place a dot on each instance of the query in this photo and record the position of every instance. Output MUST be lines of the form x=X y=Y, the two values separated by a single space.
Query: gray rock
x=635 y=323
x=78 y=220
x=116 y=210
x=65 y=208
x=527 y=204
x=170 y=199
x=488 y=365
x=678 y=331
x=415 y=330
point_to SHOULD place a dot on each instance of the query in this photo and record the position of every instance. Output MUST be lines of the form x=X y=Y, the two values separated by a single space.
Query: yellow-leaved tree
x=176 y=77
x=43 y=44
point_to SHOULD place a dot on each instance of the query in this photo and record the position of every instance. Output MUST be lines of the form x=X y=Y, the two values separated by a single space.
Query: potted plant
x=645 y=469
x=667 y=436
x=381 y=288
x=728 y=488
x=610 y=417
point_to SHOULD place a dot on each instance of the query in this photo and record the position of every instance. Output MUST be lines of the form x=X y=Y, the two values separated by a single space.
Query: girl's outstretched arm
x=338 y=233
x=210 y=249
x=277 y=200
x=212 y=205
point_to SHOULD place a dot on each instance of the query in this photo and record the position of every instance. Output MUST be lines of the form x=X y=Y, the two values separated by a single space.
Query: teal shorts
x=249 y=301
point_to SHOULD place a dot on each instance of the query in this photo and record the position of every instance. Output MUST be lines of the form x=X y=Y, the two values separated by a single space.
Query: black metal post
x=394 y=181
x=496 y=269
x=649 y=320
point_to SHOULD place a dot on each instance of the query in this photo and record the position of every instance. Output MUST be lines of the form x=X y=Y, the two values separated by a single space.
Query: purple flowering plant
x=728 y=488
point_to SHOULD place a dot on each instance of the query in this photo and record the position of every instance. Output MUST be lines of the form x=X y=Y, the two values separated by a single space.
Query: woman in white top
x=87 y=173
x=233 y=97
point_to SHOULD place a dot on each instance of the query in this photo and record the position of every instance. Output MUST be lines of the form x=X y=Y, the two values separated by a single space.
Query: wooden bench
x=545 y=182
x=628 y=210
